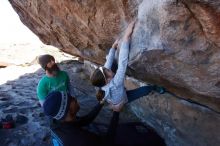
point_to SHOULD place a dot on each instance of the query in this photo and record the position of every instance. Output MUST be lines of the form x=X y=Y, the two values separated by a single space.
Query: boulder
x=175 y=43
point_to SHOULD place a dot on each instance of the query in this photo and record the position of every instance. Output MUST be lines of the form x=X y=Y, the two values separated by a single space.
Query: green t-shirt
x=49 y=84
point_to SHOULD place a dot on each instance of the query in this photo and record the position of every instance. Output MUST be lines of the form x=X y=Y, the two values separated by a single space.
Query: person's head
x=61 y=106
x=47 y=62
x=101 y=76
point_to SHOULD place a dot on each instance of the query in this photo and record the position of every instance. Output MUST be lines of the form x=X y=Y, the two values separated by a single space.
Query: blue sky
x=12 y=29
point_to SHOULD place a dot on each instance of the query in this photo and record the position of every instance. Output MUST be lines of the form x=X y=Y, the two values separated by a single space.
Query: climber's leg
x=139 y=92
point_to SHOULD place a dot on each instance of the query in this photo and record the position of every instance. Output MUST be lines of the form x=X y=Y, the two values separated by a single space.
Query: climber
x=54 y=80
x=111 y=86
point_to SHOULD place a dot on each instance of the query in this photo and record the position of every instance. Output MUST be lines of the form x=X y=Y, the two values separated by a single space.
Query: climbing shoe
x=159 y=89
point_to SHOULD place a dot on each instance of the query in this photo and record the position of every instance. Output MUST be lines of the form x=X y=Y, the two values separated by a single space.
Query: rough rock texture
x=177 y=120
x=175 y=42
x=180 y=122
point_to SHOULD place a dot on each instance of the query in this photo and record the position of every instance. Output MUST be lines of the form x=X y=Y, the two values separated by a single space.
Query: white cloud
x=12 y=30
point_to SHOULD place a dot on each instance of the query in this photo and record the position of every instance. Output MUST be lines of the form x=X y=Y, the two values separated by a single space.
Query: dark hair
x=97 y=78
x=100 y=94
x=43 y=60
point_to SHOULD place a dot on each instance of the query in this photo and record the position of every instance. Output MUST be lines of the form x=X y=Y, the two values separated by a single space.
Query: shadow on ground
x=18 y=98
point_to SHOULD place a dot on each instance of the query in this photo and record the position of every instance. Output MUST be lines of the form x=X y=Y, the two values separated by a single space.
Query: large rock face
x=176 y=43
x=180 y=122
